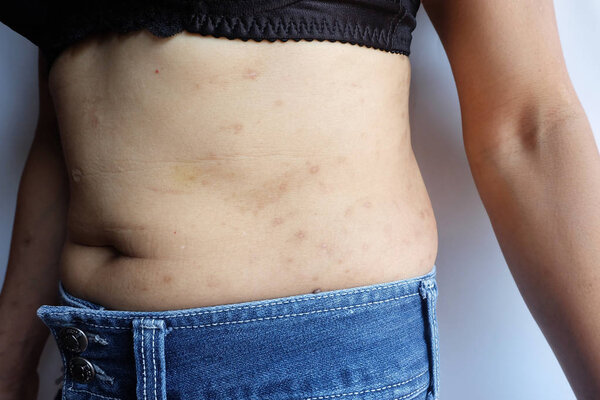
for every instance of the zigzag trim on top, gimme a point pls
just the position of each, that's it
(257, 28)
(291, 28)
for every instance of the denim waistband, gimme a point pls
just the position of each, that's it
(375, 342)
(96, 315)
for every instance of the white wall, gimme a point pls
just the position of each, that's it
(491, 348)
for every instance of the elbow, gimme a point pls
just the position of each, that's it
(528, 133)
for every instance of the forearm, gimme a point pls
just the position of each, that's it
(32, 272)
(542, 195)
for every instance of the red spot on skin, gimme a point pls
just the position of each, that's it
(174, 231)
(250, 74)
(156, 71)
(314, 170)
(277, 221)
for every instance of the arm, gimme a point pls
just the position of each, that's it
(535, 164)
(32, 272)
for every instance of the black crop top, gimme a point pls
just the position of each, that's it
(54, 25)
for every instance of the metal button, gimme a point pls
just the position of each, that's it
(73, 339)
(81, 369)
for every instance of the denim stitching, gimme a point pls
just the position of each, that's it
(368, 390)
(154, 364)
(417, 391)
(70, 388)
(312, 298)
(143, 358)
(290, 315)
(262, 318)
(436, 338)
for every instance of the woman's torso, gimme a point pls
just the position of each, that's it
(209, 171)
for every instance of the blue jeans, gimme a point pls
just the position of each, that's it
(376, 342)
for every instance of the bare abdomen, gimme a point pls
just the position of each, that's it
(261, 171)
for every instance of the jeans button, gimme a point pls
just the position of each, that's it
(81, 369)
(73, 339)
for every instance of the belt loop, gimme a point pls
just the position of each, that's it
(149, 351)
(429, 292)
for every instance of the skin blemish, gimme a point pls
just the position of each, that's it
(278, 102)
(175, 232)
(340, 260)
(237, 128)
(300, 235)
(250, 74)
(314, 169)
(156, 71)
(289, 260)
(348, 212)
(94, 121)
(367, 204)
(326, 247)
(76, 174)
(167, 278)
(277, 221)
(341, 160)
(185, 174)
(365, 246)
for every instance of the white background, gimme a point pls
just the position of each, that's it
(490, 346)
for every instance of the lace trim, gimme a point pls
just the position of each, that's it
(382, 29)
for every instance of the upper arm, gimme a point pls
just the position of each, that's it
(47, 131)
(507, 62)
